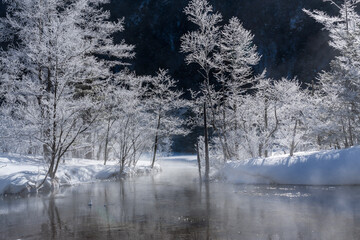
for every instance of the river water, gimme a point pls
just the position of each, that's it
(176, 205)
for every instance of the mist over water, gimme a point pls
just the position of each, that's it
(175, 205)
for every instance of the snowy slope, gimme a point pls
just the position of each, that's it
(19, 174)
(335, 167)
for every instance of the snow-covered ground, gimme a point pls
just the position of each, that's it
(19, 174)
(335, 167)
(179, 157)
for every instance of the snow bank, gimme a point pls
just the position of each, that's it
(19, 174)
(335, 167)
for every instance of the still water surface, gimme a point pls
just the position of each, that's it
(175, 205)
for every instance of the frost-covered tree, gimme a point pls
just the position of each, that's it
(265, 109)
(234, 61)
(340, 87)
(295, 112)
(256, 121)
(275, 116)
(121, 92)
(163, 101)
(131, 130)
(200, 46)
(237, 54)
(139, 113)
(60, 53)
(226, 55)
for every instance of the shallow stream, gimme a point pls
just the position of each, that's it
(176, 205)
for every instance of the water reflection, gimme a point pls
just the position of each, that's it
(54, 225)
(174, 205)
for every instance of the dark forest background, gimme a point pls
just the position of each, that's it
(290, 42)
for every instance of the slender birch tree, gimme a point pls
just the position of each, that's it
(200, 46)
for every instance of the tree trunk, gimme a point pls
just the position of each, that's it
(122, 165)
(51, 168)
(156, 141)
(346, 17)
(89, 149)
(338, 145)
(206, 139)
(50, 173)
(46, 153)
(198, 159)
(133, 162)
(106, 152)
(54, 139)
(237, 145)
(98, 155)
(292, 147)
(57, 164)
(346, 143)
(351, 139)
(260, 149)
(226, 150)
(266, 126)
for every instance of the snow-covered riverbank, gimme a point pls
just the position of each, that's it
(19, 174)
(335, 167)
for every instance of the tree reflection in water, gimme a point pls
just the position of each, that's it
(174, 205)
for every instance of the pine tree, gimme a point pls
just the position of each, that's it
(234, 61)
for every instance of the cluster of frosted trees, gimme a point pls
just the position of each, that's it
(339, 88)
(65, 88)
(251, 116)
(60, 93)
